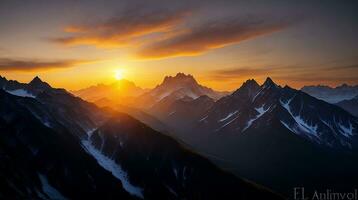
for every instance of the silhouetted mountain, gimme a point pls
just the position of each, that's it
(332, 95)
(40, 162)
(119, 92)
(350, 105)
(55, 146)
(175, 88)
(31, 89)
(304, 115)
(37, 86)
(279, 137)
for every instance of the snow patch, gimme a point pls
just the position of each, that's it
(258, 93)
(288, 127)
(346, 131)
(261, 111)
(111, 166)
(300, 122)
(228, 116)
(50, 191)
(175, 170)
(163, 95)
(21, 93)
(171, 190)
(204, 118)
(227, 123)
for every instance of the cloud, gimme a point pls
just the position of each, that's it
(242, 72)
(332, 74)
(8, 64)
(124, 29)
(344, 67)
(318, 78)
(212, 35)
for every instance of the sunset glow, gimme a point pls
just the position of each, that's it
(118, 74)
(222, 44)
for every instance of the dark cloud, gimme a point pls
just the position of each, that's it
(212, 35)
(344, 67)
(124, 29)
(7, 64)
(318, 78)
(242, 72)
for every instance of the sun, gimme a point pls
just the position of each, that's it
(118, 74)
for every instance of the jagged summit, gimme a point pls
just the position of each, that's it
(268, 83)
(248, 88)
(36, 79)
(250, 83)
(179, 78)
(38, 83)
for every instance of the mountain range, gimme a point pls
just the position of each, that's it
(276, 136)
(330, 94)
(57, 146)
(119, 92)
(266, 132)
(173, 88)
(262, 132)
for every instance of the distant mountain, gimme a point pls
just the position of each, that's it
(332, 95)
(350, 105)
(279, 137)
(175, 88)
(120, 91)
(54, 145)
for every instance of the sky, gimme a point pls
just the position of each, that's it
(77, 43)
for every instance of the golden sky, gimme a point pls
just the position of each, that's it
(75, 44)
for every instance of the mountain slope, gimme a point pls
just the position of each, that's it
(66, 141)
(350, 105)
(179, 114)
(302, 114)
(279, 137)
(181, 173)
(39, 163)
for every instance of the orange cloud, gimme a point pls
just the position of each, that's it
(209, 36)
(123, 30)
(7, 64)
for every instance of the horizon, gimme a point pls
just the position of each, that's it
(161, 81)
(75, 45)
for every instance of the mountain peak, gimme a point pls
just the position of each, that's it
(249, 87)
(250, 83)
(182, 75)
(269, 83)
(36, 79)
(38, 83)
(179, 77)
